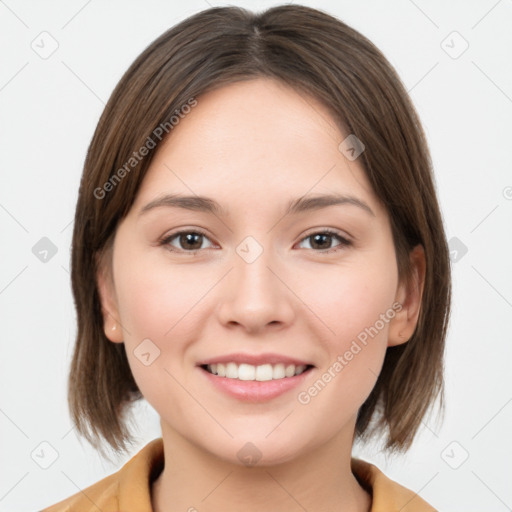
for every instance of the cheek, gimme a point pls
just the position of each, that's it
(348, 300)
(156, 299)
(156, 306)
(355, 304)
(158, 303)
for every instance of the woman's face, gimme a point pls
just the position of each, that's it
(254, 286)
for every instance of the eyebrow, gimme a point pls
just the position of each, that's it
(295, 206)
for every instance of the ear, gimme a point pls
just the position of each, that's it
(111, 324)
(409, 295)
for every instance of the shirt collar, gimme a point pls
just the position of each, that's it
(136, 476)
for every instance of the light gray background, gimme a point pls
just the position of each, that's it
(49, 109)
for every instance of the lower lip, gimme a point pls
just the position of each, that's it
(254, 390)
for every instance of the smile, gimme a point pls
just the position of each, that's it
(255, 377)
(249, 372)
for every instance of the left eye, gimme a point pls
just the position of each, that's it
(323, 238)
(192, 241)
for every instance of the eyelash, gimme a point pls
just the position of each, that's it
(343, 241)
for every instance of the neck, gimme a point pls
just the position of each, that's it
(193, 480)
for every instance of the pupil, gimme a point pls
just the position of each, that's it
(189, 238)
(316, 237)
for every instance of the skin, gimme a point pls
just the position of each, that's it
(253, 146)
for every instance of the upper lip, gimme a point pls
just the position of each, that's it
(254, 359)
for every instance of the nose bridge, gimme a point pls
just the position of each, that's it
(257, 297)
(254, 279)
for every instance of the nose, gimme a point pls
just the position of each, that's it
(255, 295)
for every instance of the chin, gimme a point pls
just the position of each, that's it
(255, 450)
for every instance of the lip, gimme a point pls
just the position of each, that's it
(252, 390)
(255, 359)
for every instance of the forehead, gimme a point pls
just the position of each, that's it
(255, 142)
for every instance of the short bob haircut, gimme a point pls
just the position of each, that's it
(317, 55)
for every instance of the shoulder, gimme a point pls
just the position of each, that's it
(387, 495)
(102, 495)
(128, 487)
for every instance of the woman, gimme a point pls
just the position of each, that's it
(258, 251)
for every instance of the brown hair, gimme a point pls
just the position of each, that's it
(315, 54)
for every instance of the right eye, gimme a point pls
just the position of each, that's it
(191, 241)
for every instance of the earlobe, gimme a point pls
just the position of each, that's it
(113, 331)
(409, 296)
(111, 325)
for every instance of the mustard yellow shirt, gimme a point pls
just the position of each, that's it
(129, 489)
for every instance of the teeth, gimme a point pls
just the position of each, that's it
(289, 370)
(278, 371)
(250, 372)
(232, 371)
